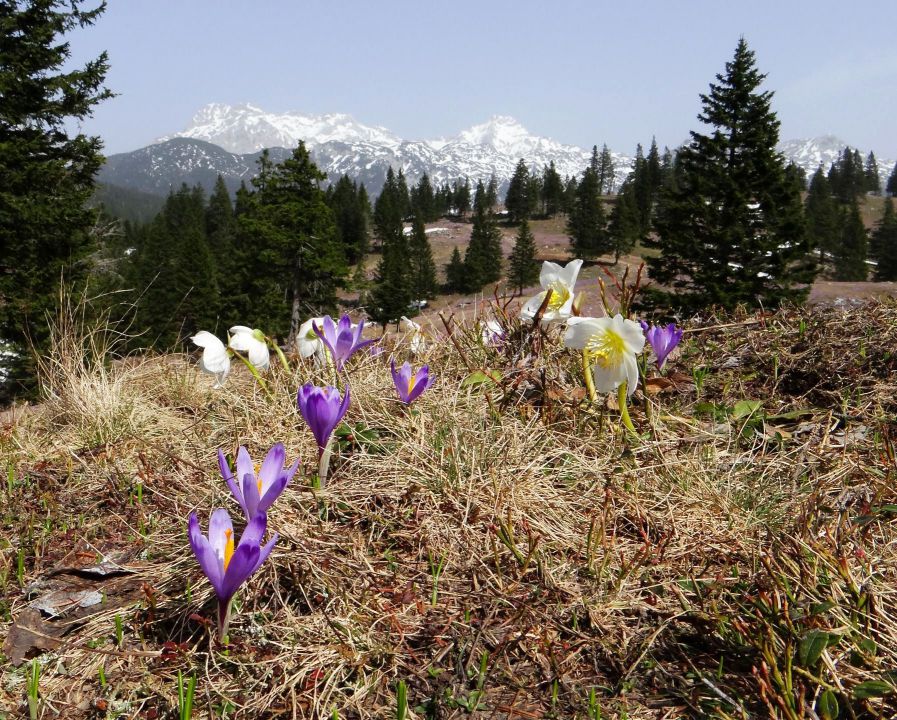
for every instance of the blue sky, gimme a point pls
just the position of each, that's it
(583, 73)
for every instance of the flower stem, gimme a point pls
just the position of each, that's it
(624, 410)
(224, 611)
(255, 374)
(324, 462)
(587, 373)
(283, 358)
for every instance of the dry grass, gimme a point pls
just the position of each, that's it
(685, 573)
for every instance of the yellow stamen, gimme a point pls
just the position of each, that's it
(606, 349)
(228, 547)
(411, 382)
(560, 293)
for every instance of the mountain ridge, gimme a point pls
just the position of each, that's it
(227, 140)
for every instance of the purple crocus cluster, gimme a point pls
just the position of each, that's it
(341, 339)
(226, 562)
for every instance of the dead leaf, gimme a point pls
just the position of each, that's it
(30, 632)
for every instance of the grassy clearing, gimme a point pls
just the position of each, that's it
(501, 551)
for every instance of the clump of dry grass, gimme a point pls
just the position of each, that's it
(502, 547)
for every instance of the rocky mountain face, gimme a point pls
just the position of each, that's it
(227, 140)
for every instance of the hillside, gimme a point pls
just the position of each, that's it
(503, 548)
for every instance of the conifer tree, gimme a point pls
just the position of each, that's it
(552, 190)
(351, 218)
(517, 200)
(403, 196)
(534, 194)
(482, 260)
(391, 295)
(823, 217)
(605, 170)
(221, 227)
(586, 223)
(625, 226)
(884, 244)
(523, 270)
(873, 182)
(461, 197)
(47, 170)
(423, 199)
(455, 274)
(388, 210)
(422, 268)
(732, 230)
(491, 196)
(850, 253)
(891, 187)
(293, 263)
(570, 186)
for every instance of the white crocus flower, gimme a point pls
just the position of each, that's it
(417, 344)
(215, 359)
(252, 342)
(308, 342)
(561, 281)
(610, 345)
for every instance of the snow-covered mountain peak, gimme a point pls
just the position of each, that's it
(246, 128)
(505, 135)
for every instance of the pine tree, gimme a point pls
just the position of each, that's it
(403, 196)
(482, 260)
(422, 269)
(293, 264)
(891, 187)
(351, 218)
(461, 197)
(732, 230)
(552, 190)
(221, 229)
(388, 210)
(455, 280)
(523, 270)
(606, 178)
(46, 170)
(517, 200)
(570, 186)
(586, 224)
(870, 171)
(491, 196)
(391, 295)
(423, 200)
(625, 226)
(850, 253)
(176, 272)
(533, 194)
(823, 217)
(884, 244)
(641, 188)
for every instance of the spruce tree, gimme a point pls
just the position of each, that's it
(625, 225)
(293, 264)
(523, 270)
(423, 201)
(606, 177)
(351, 218)
(422, 268)
(47, 170)
(850, 254)
(586, 223)
(482, 260)
(517, 200)
(388, 213)
(552, 191)
(221, 227)
(391, 295)
(491, 196)
(823, 217)
(884, 244)
(732, 229)
(891, 187)
(455, 274)
(461, 197)
(873, 182)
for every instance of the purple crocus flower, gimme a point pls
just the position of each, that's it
(225, 565)
(410, 384)
(662, 340)
(322, 408)
(341, 340)
(257, 493)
